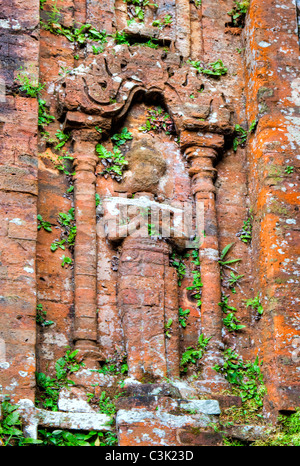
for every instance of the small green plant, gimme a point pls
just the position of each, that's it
(64, 71)
(62, 166)
(137, 8)
(49, 387)
(66, 261)
(197, 3)
(48, 391)
(11, 433)
(230, 321)
(29, 85)
(106, 405)
(67, 221)
(58, 244)
(229, 442)
(177, 261)
(97, 50)
(168, 329)
(166, 21)
(245, 377)
(60, 437)
(287, 432)
(142, 3)
(242, 135)
(115, 366)
(114, 162)
(234, 280)
(238, 12)
(121, 38)
(121, 138)
(225, 262)
(79, 36)
(192, 356)
(54, 13)
(40, 317)
(67, 365)
(183, 315)
(289, 169)
(152, 230)
(97, 200)
(44, 119)
(62, 138)
(197, 282)
(255, 304)
(158, 120)
(152, 43)
(43, 224)
(245, 234)
(252, 126)
(215, 69)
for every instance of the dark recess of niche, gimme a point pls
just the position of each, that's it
(298, 17)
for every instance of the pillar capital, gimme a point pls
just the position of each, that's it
(201, 170)
(85, 162)
(85, 158)
(201, 139)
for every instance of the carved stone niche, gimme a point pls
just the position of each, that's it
(143, 295)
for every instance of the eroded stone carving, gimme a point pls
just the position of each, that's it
(147, 285)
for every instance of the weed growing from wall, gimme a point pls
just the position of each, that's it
(192, 355)
(214, 70)
(246, 377)
(238, 13)
(49, 387)
(11, 433)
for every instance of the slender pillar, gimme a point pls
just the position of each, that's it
(203, 173)
(85, 254)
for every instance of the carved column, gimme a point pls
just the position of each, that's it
(201, 153)
(85, 253)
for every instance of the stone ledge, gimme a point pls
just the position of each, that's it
(248, 433)
(151, 403)
(154, 389)
(226, 401)
(33, 417)
(188, 436)
(136, 416)
(138, 427)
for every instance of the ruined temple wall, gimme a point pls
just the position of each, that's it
(253, 179)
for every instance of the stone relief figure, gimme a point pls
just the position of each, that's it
(147, 285)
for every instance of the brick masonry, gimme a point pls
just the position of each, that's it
(100, 308)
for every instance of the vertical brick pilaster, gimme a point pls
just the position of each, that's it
(201, 158)
(85, 254)
(19, 46)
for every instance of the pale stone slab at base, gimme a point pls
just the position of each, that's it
(33, 417)
(202, 406)
(141, 427)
